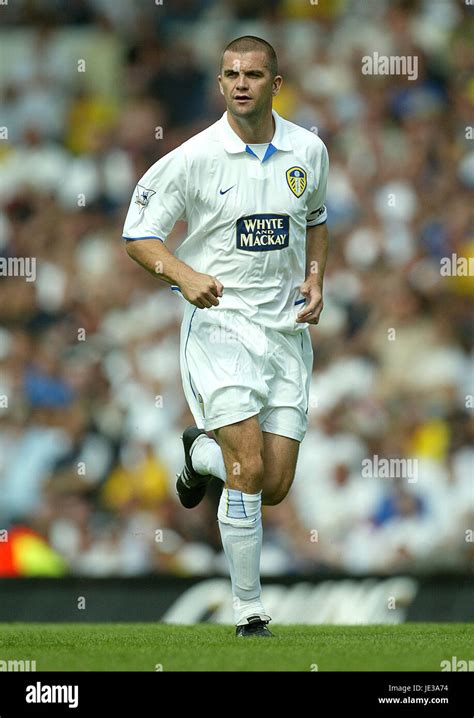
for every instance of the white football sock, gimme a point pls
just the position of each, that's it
(207, 457)
(240, 525)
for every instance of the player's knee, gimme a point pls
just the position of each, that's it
(246, 472)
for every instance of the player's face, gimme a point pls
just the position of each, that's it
(246, 83)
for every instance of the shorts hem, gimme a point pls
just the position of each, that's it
(211, 424)
(290, 433)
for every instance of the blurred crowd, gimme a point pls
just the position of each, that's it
(91, 404)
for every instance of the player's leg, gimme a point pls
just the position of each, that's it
(222, 387)
(240, 520)
(280, 455)
(241, 445)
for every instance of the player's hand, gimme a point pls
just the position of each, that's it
(314, 303)
(202, 290)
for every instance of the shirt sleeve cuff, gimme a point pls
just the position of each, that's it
(319, 216)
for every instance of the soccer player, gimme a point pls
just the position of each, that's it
(252, 189)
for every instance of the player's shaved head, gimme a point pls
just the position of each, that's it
(250, 43)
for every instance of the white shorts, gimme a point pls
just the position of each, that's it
(233, 368)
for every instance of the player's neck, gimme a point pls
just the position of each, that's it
(253, 131)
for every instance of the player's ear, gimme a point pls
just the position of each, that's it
(220, 84)
(277, 82)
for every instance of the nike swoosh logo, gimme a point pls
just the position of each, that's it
(226, 190)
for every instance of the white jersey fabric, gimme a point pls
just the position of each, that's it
(247, 217)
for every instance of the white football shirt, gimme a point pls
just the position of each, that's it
(247, 217)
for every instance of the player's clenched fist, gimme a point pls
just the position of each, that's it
(314, 303)
(202, 290)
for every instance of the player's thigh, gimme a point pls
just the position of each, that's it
(242, 448)
(280, 455)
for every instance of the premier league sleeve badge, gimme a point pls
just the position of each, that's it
(143, 196)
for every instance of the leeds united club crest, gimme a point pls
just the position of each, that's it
(296, 178)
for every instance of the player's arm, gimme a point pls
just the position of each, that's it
(316, 245)
(312, 288)
(199, 289)
(158, 202)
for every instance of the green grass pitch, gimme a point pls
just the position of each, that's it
(205, 647)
